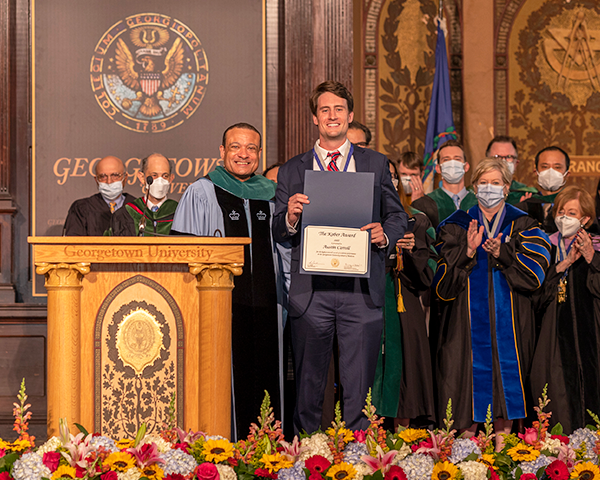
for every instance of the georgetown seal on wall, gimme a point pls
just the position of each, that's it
(149, 73)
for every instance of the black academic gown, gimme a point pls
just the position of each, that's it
(486, 340)
(567, 355)
(90, 216)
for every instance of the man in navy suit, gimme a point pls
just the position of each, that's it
(323, 306)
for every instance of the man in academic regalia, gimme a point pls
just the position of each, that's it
(91, 216)
(152, 213)
(237, 203)
(443, 202)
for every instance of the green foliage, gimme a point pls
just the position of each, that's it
(82, 429)
(196, 450)
(140, 435)
(557, 429)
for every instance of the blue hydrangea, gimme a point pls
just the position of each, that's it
(417, 467)
(462, 448)
(583, 435)
(30, 467)
(177, 461)
(354, 451)
(294, 473)
(535, 465)
(108, 443)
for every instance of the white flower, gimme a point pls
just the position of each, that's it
(417, 467)
(362, 469)
(30, 467)
(177, 461)
(473, 470)
(404, 451)
(131, 474)
(50, 446)
(226, 472)
(162, 445)
(315, 445)
(552, 445)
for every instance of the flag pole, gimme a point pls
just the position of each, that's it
(441, 11)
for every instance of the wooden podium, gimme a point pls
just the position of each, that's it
(111, 302)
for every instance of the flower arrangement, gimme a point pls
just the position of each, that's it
(337, 454)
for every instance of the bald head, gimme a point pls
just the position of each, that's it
(110, 169)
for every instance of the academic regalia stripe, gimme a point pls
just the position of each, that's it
(533, 266)
(535, 232)
(537, 248)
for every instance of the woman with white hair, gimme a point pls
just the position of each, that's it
(492, 258)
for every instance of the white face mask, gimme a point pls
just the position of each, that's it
(551, 179)
(511, 166)
(490, 195)
(405, 179)
(567, 226)
(160, 188)
(110, 191)
(395, 183)
(453, 171)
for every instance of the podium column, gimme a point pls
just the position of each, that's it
(63, 283)
(215, 283)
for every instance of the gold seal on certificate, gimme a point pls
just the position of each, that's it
(335, 250)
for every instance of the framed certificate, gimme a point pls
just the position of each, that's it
(332, 242)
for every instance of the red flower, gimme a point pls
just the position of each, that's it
(207, 471)
(528, 476)
(315, 476)
(563, 438)
(232, 462)
(112, 475)
(360, 436)
(530, 436)
(80, 471)
(395, 473)
(51, 459)
(317, 464)
(557, 470)
(2, 452)
(264, 473)
(5, 476)
(493, 474)
(174, 476)
(182, 446)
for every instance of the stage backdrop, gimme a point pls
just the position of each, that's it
(136, 77)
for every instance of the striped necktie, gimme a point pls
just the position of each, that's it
(332, 166)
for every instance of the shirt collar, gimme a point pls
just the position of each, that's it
(149, 204)
(322, 153)
(461, 195)
(118, 202)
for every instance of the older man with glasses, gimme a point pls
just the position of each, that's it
(91, 216)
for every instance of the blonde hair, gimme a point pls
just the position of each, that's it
(574, 192)
(489, 164)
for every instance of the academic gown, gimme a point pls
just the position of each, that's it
(90, 216)
(257, 299)
(534, 207)
(487, 332)
(403, 384)
(126, 220)
(567, 356)
(438, 205)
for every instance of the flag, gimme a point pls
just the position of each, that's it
(440, 126)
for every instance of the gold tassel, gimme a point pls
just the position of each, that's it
(401, 308)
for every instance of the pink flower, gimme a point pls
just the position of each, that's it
(146, 455)
(430, 447)
(528, 476)
(51, 460)
(5, 476)
(207, 471)
(317, 464)
(174, 476)
(530, 436)
(395, 473)
(111, 475)
(557, 470)
(182, 446)
(360, 436)
(381, 462)
(2, 452)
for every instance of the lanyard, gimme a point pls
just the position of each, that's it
(497, 222)
(322, 168)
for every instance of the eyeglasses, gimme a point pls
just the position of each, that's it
(510, 158)
(115, 177)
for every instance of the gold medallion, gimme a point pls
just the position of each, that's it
(139, 339)
(335, 262)
(562, 290)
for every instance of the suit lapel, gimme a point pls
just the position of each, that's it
(362, 161)
(305, 164)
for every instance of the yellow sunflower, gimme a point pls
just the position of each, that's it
(346, 434)
(125, 443)
(411, 435)
(444, 471)
(217, 450)
(274, 463)
(16, 446)
(119, 461)
(585, 471)
(152, 472)
(64, 471)
(488, 460)
(342, 471)
(523, 453)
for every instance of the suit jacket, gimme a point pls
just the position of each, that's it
(387, 210)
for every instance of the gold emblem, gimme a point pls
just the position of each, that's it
(335, 262)
(139, 339)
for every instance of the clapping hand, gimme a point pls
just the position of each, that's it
(492, 245)
(474, 237)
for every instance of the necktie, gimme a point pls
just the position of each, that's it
(154, 209)
(456, 200)
(112, 206)
(332, 166)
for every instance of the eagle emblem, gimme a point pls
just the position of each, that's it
(149, 73)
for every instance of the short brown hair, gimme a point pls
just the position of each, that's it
(334, 87)
(575, 192)
(243, 126)
(489, 164)
(452, 143)
(411, 161)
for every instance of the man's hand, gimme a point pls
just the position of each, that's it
(416, 186)
(295, 206)
(377, 235)
(407, 242)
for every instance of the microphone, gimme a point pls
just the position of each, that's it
(142, 225)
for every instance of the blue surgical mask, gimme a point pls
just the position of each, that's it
(490, 195)
(453, 171)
